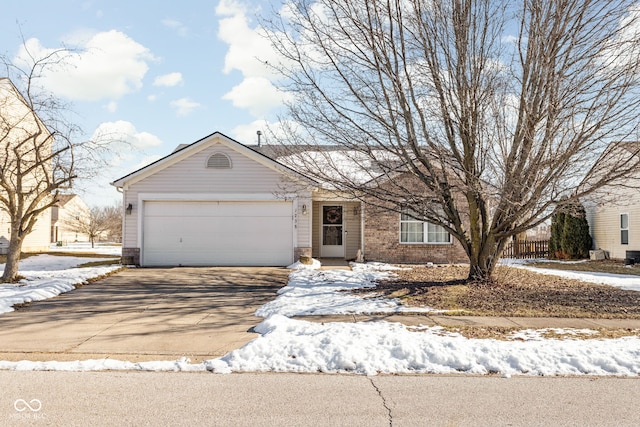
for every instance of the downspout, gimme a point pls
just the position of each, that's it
(362, 229)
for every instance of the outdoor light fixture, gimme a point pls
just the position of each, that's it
(129, 209)
(304, 209)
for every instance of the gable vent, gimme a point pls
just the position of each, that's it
(219, 161)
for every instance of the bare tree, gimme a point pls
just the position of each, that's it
(101, 222)
(490, 111)
(39, 155)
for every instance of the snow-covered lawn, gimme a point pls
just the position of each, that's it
(46, 276)
(291, 345)
(322, 292)
(99, 248)
(622, 281)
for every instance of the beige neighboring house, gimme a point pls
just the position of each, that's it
(15, 118)
(613, 214)
(69, 210)
(615, 226)
(36, 241)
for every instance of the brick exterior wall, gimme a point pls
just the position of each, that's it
(382, 243)
(130, 256)
(382, 232)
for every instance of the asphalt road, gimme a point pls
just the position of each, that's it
(203, 399)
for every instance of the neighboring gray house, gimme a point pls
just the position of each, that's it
(219, 202)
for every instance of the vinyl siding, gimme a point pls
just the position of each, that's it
(604, 224)
(190, 176)
(37, 241)
(353, 229)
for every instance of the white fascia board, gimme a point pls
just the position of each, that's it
(221, 197)
(216, 138)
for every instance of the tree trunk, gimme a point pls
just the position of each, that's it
(13, 258)
(484, 258)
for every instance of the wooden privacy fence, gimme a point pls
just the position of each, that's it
(527, 249)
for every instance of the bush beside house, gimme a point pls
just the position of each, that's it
(570, 238)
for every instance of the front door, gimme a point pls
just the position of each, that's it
(332, 232)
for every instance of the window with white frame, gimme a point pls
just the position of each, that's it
(624, 229)
(413, 229)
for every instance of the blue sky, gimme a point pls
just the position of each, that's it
(160, 73)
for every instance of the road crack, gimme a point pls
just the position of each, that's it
(384, 401)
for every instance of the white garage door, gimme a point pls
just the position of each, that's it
(207, 233)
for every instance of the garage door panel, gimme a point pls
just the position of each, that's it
(218, 209)
(217, 233)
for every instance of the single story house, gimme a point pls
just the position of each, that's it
(219, 202)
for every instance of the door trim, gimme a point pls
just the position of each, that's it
(332, 251)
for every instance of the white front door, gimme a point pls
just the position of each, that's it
(332, 231)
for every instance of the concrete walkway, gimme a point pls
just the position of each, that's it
(482, 321)
(144, 314)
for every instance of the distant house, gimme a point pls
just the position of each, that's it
(17, 119)
(613, 214)
(219, 202)
(66, 215)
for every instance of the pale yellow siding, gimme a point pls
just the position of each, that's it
(352, 226)
(37, 241)
(22, 124)
(604, 223)
(64, 228)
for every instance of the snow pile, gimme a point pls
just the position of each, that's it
(315, 264)
(326, 292)
(289, 345)
(46, 276)
(370, 348)
(622, 281)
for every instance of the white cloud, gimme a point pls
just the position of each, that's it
(122, 135)
(247, 51)
(112, 106)
(145, 161)
(271, 131)
(246, 134)
(178, 26)
(257, 94)
(106, 65)
(184, 106)
(168, 80)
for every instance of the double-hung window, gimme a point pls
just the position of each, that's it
(624, 229)
(414, 229)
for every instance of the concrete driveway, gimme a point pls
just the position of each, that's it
(144, 314)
